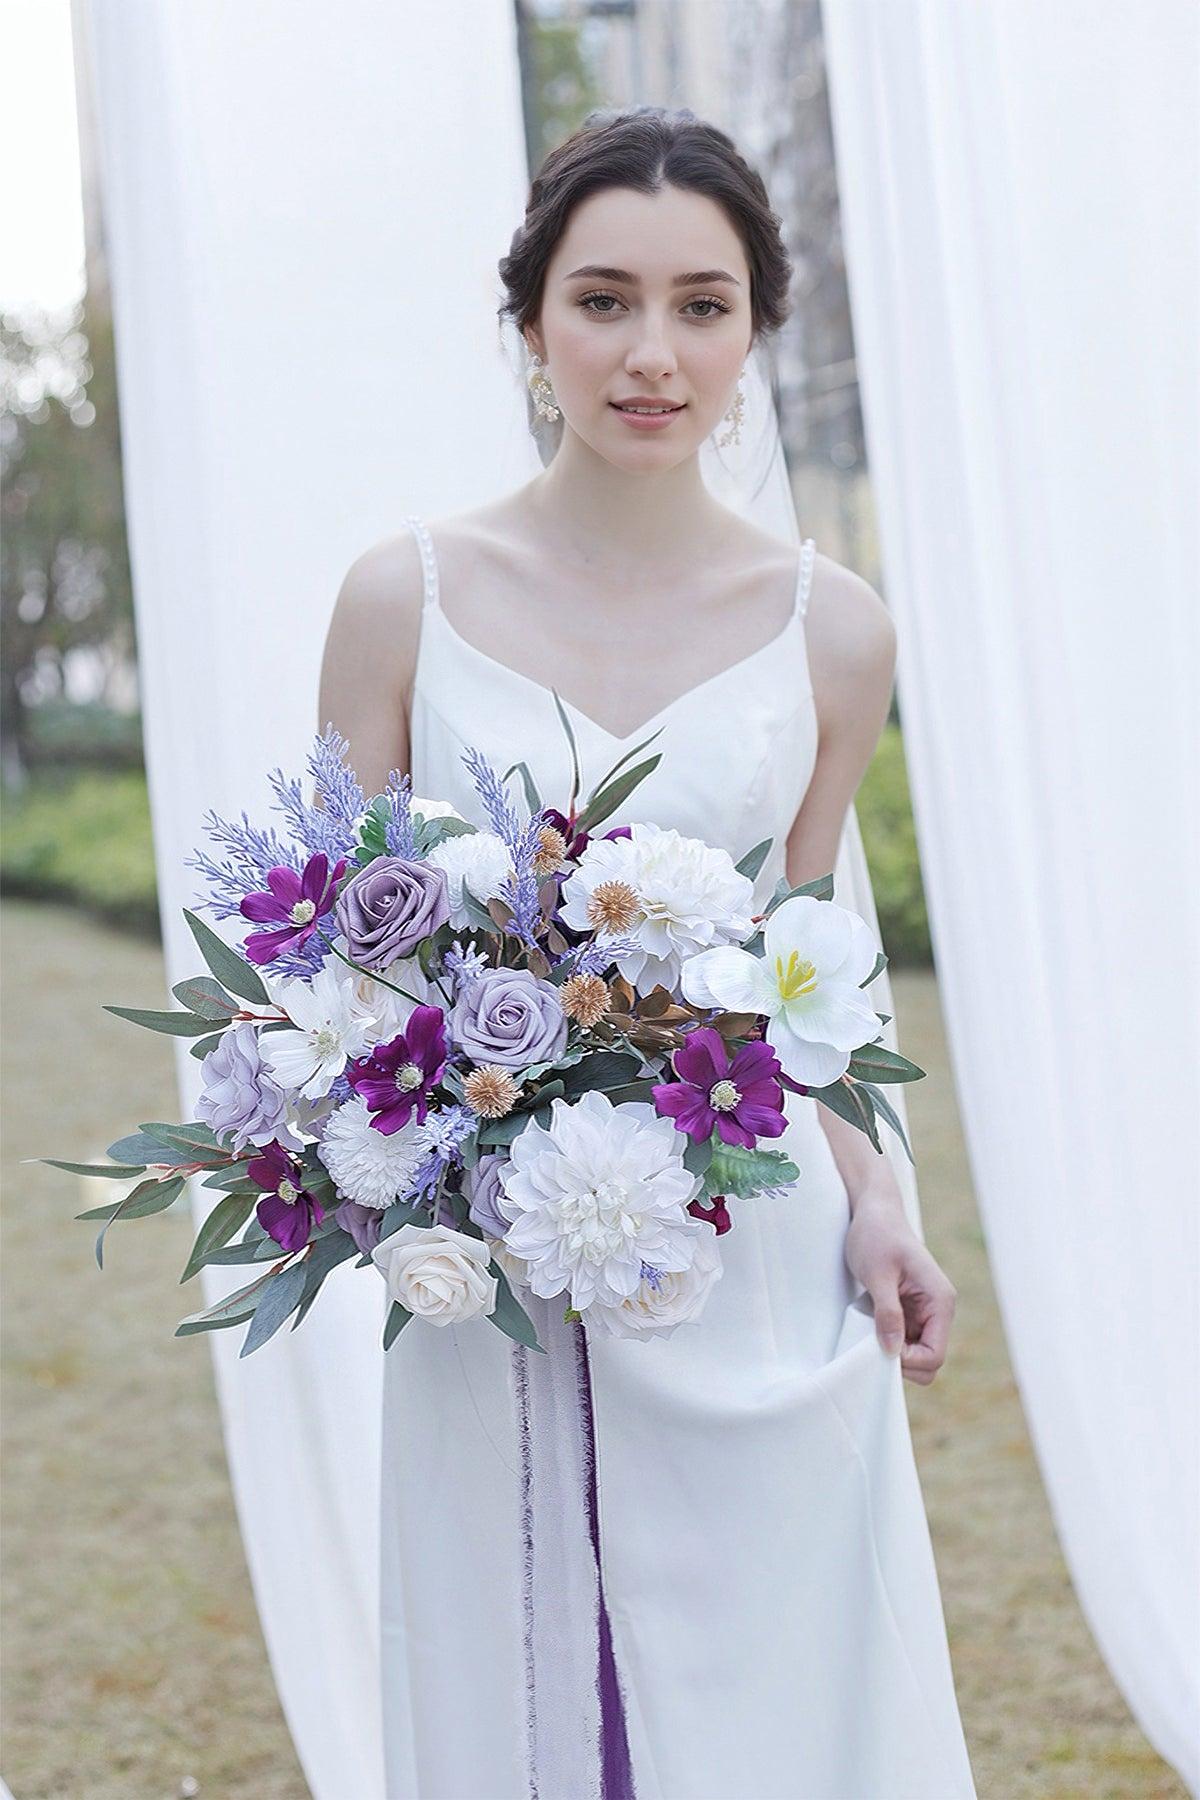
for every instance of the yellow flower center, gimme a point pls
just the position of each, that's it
(408, 1077)
(289, 1191)
(723, 1096)
(302, 912)
(795, 976)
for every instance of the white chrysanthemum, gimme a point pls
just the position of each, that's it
(661, 1304)
(327, 1032)
(370, 1166)
(690, 897)
(807, 983)
(388, 1011)
(596, 1193)
(478, 860)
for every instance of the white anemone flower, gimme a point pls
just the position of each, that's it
(327, 1031)
(478, 860)
(664, 1300)
(434, 809)
(807, 983)
(689, 897)
(373, 1167)
(594, 1195)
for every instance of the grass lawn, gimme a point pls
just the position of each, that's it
(134, 1667)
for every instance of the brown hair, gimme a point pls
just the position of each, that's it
(647, 148)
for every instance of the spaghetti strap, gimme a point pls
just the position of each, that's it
(429, 568)
(808, 554)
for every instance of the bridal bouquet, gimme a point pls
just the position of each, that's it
(532, 1059)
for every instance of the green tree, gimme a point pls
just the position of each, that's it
(64, 562)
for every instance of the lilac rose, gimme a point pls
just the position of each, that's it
(508, 1016)
(388, 907)
(242, 1102)
(481, 1185)
(363, 1223)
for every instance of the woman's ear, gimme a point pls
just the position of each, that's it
(533, 341)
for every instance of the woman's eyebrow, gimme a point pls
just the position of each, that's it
(697, 278)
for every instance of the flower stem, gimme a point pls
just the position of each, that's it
(369, 972)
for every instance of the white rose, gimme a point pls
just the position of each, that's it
(679, 1297)
(438, 1273)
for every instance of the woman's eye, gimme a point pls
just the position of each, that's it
(587, 300)
(719, 305)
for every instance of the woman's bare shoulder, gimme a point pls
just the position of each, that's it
(847, 623)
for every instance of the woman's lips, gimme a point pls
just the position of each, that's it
(642, 421)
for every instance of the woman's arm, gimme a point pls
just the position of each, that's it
(369, 659)
(852, 661)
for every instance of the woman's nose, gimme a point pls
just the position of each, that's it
(652, 356)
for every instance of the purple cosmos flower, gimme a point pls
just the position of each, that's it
(294, 904)
(287, 1211)
(577, 841)
(398, 1075)
(740, 1098)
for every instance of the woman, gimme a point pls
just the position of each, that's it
(696, 1565)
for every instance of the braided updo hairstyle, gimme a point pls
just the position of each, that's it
(647, 148)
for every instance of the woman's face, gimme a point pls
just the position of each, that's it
(646, 297)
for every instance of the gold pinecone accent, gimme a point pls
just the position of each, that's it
(613, 906)
(549, 856)
(491, 1091)
(585, 998)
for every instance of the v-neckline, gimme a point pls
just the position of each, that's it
(620, 739)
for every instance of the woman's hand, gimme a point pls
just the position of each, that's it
(914, 1300)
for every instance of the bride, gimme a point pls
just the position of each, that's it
(697, 1565)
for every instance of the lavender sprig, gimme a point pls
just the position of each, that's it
(520, 889)
(399, 835)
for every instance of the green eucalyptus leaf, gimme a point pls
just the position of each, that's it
(397, 1319)
(230, 969)
(226, 1218)
(533, 799)
(174, 1024)
(205, 1046)
(754, 859)
(508, 1314)
(877, 1063)
(278, 1300)
(109, 1171)
(848, 1102)
(886, 1110)
(203, 994)
(609, 798)
(698, 1155)
(230, 1311)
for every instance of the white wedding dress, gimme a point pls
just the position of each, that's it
(765, 1580)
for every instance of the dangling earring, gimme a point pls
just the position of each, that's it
(735, 415)
(539, 386)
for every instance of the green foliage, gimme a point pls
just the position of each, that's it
(84, 838)
(889, 839)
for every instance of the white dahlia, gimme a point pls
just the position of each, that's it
(596, 1194)
(664, 1299)
(682, 895)
(373, 1167)
(478, 860)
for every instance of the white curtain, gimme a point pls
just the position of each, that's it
(303, 230)
(1019, 198)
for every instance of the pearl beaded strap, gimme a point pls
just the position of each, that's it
(429, 570)
(808, 557)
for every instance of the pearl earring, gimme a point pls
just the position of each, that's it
(539, 386)
(735, 415)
